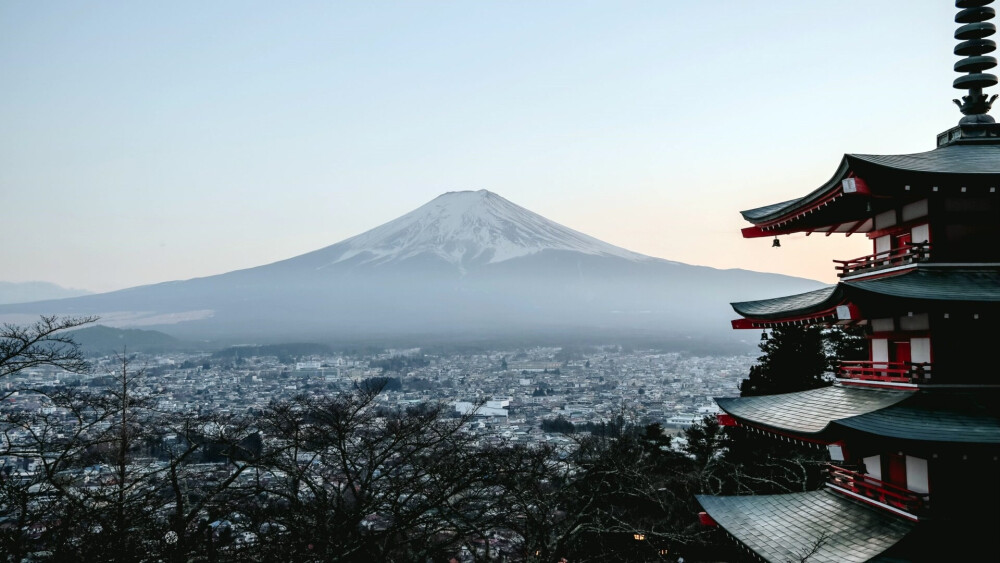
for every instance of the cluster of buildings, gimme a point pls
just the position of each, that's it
(510, 392)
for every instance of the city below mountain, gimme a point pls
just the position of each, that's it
(465, 266)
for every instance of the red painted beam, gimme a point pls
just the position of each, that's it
(827, 316)
(851, 185)
(726, 419)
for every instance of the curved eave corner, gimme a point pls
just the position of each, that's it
(974, 163)
(822, 524)
(822, 306)
(805, 415)
(783, 218)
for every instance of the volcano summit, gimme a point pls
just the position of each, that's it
(465, 265)
(466, 228)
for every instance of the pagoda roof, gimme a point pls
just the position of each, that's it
(951, 159)
(936, 283)
(799, 304)
(761, 214)
(776, 211)
(936, 416)
(925, 282)
(821, 524)
(810, 412)
(826, 209)
(933, 415)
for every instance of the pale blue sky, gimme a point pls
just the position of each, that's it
(142, 142)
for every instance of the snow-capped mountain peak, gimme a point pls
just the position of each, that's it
(466, 226)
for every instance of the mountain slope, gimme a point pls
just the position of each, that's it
(466, 264)
(99, 340)
(25, 292)
(466, 229)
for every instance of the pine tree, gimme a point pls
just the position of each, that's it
(794, 359)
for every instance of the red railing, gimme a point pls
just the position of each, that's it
(906, 254)
(878, 491)
(889, 372)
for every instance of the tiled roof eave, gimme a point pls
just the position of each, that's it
(976, 162)
(809, 413)
(940, 417)
(932, 283)
(791, 306)
(929, 283)
(954, 160)
(783, 527)
(774, 212)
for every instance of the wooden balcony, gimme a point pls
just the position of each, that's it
(886, 372)
(907, 254)
(874, 491)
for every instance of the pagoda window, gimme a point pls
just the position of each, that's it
(883, 325)
(920, 350)
(883, 245)
(915, 322)
(920, 233)
(916, 475)
(885, 220)
(880, 350)
(914, 210)
(873, 466)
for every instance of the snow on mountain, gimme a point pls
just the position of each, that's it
(472, 226)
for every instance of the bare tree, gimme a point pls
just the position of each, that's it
(106, 476)
(43, 343)
(348, 480)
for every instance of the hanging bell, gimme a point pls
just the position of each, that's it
(776, 243)
(763, 335)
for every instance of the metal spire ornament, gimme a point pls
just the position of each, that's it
(975, 15)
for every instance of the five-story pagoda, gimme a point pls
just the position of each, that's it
(913, 433)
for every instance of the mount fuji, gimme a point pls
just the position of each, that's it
(466, 265)
(470, 228)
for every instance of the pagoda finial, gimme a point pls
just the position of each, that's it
(974, 14)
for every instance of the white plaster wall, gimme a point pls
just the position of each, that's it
(916, 475)
(920, 350)
(913, 210)
(873, 465)
(880, 350)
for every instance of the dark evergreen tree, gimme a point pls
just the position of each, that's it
(794, 359)
(846, 344)
(558, 424)
(704, 441)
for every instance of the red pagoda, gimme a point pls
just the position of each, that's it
(913, 433)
